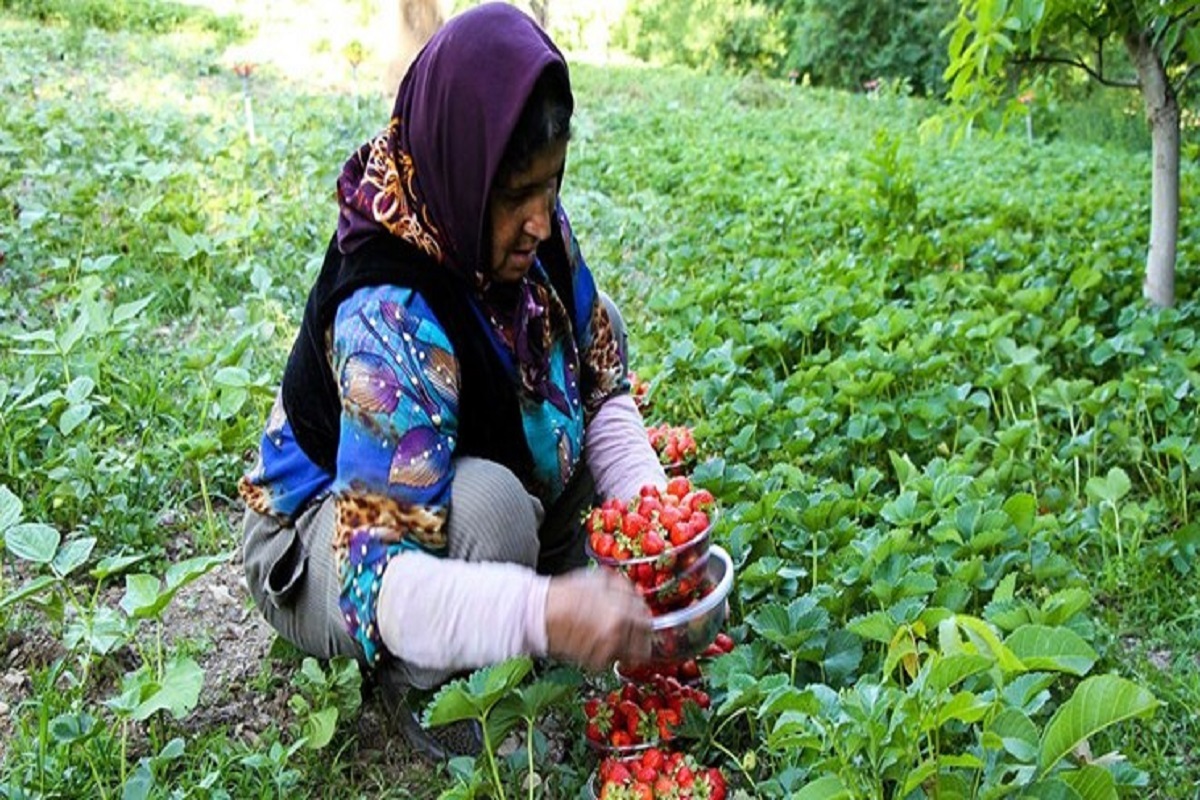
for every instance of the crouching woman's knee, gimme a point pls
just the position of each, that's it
(492, 517)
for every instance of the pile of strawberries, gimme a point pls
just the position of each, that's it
(675, 445)
(658, 540)
(639, 714)
(656, 775)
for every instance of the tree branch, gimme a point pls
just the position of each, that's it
(1075, 62)
(1181, 86)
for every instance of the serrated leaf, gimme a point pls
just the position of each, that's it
(1111, 488)
(474, 697)
(1097, 703)
(877, 626)
(32, 541)
(1022, 511)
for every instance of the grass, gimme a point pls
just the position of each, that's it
(713, 205)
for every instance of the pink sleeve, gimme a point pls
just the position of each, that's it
(456, 615)
(619, 452)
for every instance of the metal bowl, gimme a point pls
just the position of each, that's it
(686, 633)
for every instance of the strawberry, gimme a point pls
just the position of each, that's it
(679, 486)
(652, 543)
(724, 641)
(653, 758)
(634, 524)
(642, 791)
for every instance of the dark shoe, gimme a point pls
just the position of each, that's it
(443, 743)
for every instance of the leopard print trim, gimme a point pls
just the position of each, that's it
(389, 521)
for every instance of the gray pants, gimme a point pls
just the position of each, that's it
(292, 574)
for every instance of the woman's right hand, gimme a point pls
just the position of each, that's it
(596, 617)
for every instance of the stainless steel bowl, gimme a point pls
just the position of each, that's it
(686, 633)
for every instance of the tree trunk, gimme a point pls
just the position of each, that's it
(1162, 111)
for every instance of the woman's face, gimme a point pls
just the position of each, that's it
(520, 211)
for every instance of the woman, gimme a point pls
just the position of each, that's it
(457, 393)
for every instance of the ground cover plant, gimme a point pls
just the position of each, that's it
(954, 452)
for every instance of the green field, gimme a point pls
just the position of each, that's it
(958, 457)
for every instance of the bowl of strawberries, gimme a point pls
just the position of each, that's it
(659, 540)
(627, 721)
(657, 775)
(675, 446)
(689, 631)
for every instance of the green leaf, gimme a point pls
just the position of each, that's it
(114, 565)
(32, 541)
(319, 728)
(878, 626)
(73, 417)
(1052, 789)
(127, 311)
(827, 788)
(798, 627)
(10, 509)
(1111, 488)
(142, 599)
(1096, 703)
(1016, 733)
(951, 670)
(177, 692)
(68, 728)
(72, 555)
(475, 696)
(1092, 783)
(1057, 649)
(1022, 510)
(35, 586)
(985, 638)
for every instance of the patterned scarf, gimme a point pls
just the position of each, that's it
(427, 177)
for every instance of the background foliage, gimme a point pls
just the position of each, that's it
(922, 376)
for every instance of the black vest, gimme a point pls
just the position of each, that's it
(489, 416)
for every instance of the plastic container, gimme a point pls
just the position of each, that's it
(687, 632)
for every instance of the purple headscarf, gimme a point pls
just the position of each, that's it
(428, 176)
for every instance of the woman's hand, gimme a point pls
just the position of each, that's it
(596, 617)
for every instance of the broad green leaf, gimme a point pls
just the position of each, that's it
(1022, 510)
(963, 707)
(799, 627)
(1057, 649)
(951, 670)
(73, 417)
(142, 597)
(32, 541)
(474, 697)
(1060, 607)
(319, 728)
(80, 389)
(1092, 783)
(177, 692)
(982, 635)
(1016, 734)
(102, 632)
(930, 767)
(72, 555)
(232, 377)
(827, 788)
(1111, 488)
(10, 509)
(145, 597)
(1052, 789)
(1096, 703)
(877, 626)
(68, 728)
(138, 784)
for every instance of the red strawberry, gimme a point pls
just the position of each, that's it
(725, 642)
(679, 486)
(652, 543)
